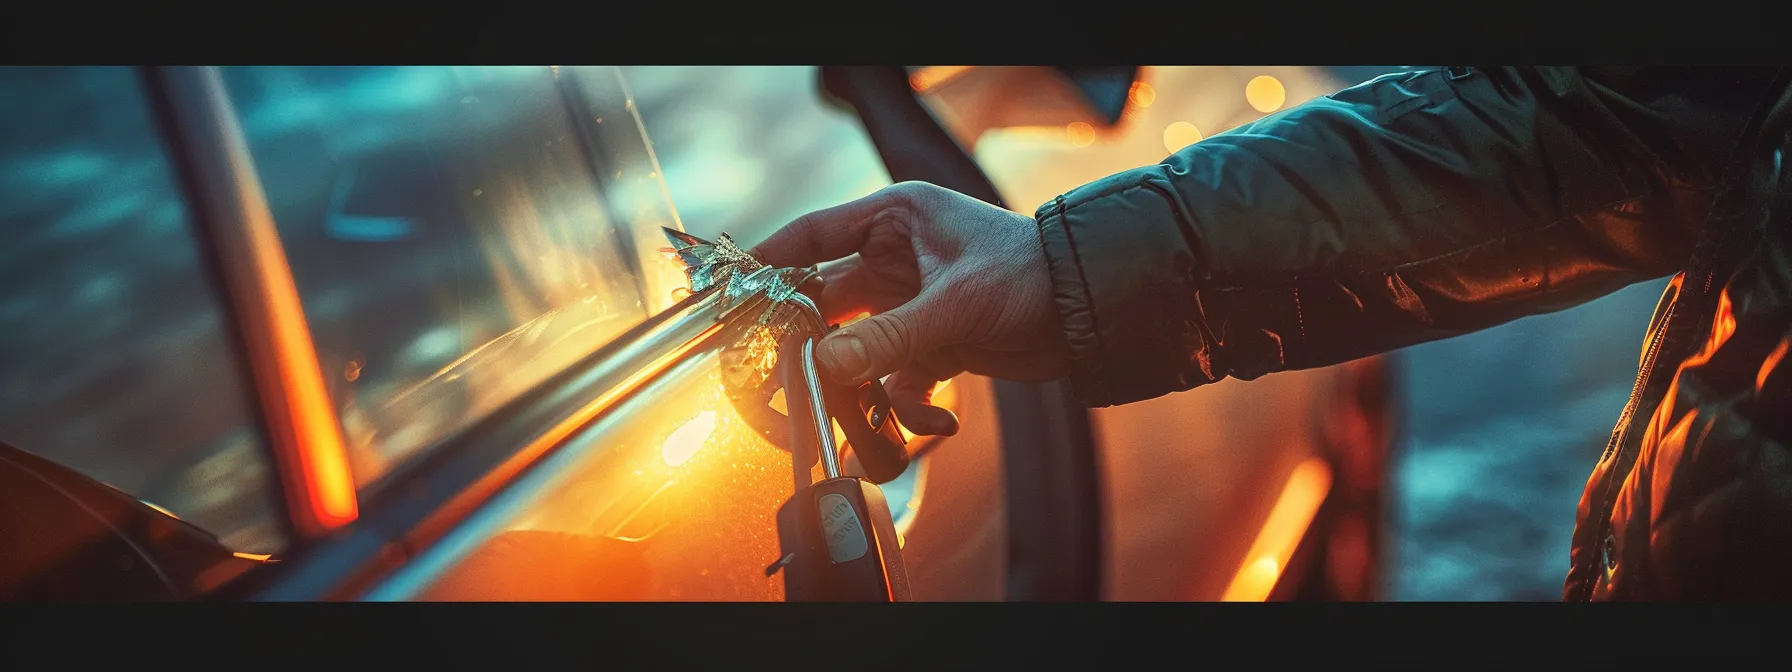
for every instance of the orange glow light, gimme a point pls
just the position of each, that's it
(1180, 134)
(1080, 134)
(1281, 533)
(934, 75)
(304, 423)
(685, 441)
(1265, 93)
(322, 458)
(1142, 94)
(471, 496)
(1772, 362)
(301, 423)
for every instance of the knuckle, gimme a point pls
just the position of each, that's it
(912, 192)
(889, 335)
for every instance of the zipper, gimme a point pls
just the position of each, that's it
(1599, 560)
(1642, 378)
(1711, 253)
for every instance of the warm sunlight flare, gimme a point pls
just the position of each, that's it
(934, 75)
(1281, 533)
(685, 441)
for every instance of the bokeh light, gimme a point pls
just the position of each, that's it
(1180, 134)
(1265, 93)
(1080, 134)
(1142, 94)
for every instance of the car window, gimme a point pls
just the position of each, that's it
(114, 354)
(457, 234)
(747, 149)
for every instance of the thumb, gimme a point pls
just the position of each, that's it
(878, 345)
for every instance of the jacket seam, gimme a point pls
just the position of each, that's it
(1076, 261)
(1064, 209)
(1446, 255)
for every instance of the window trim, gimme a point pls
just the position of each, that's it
(248, 264)
(445, 488)
(334, 556)
(576, 98)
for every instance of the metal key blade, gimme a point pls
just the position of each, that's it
(824, 426)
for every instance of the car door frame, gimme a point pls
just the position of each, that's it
(340, 553)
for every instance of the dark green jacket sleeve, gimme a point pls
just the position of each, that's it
(1413, 207)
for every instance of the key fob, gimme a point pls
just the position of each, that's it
(804, 560)
(860, 539)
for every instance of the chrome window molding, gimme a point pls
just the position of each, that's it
(491, 462)
(332, 554)
(249, 268)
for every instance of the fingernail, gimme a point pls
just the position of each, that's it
(844, 356)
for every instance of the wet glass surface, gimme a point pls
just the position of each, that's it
(114, 355)
(456, 233)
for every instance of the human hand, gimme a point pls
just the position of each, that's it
(953, 285)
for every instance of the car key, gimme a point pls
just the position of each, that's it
(870, 427)
(838, 538)
(857, 533)
(804, 559)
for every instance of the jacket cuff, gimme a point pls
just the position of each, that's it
(1123, 277)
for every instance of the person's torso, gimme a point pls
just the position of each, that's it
(1692, 498)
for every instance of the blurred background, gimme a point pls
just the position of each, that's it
(1498, 430)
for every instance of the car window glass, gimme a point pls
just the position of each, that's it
(457, 234)
(114, 354)
(747, 149)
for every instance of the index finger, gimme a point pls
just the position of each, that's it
(826, 234)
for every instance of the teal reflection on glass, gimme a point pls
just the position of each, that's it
(452, 231)
(114, 358)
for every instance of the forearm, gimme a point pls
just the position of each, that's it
(1408, 209)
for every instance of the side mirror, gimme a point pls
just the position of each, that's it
(973, 100)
